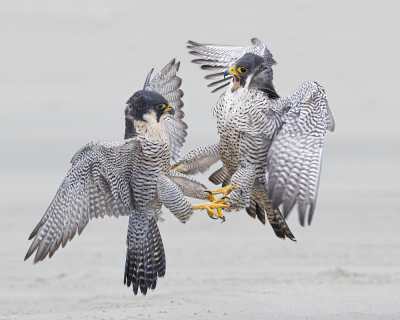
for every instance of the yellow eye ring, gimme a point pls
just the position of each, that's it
(242, 70)
(161, 106)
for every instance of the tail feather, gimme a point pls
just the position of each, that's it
(252, 208)
(256, 210)
(279, 224)
(219, 176)
(145, 257)
(274, 217)
(260, 213)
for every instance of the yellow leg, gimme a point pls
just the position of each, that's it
(225, 190)
(209, 206)
(176, 169)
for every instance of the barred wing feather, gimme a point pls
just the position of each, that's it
(167, 84)
(294, 159)
(96, 185)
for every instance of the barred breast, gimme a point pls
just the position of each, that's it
(246, 133)
(150, 161)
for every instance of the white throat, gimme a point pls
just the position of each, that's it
(240, 93)
(151, 128)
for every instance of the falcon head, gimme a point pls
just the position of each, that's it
(145, 107)
(243, 70)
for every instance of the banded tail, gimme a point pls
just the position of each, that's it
(274, 217)
(145, 256)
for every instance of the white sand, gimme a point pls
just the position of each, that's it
(346, 266)
(67, 69)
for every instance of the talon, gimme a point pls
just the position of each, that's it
(209, 192)
(225, 198)
(209, 207)
(225, 190)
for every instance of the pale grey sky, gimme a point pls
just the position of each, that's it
(66, 71)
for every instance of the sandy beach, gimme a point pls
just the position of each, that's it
(67, 70)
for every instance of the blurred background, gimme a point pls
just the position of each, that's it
(66, 70)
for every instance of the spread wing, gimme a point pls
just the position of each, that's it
(97, 184)
(294, 159)
(218, 58)
(167, 84)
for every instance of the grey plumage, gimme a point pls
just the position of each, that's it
(129, 177)
(199, 160)
(262, 131)
(220, 176)
(189, 186)
(167, 84)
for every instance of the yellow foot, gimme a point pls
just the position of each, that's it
(225, 190)
(209, 206)
(212, 198)
(176, 169)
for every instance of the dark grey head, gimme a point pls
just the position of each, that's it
(244, 69)
(144, 106)
(252, 71)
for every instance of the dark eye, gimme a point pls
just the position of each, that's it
(242, 69)
(160, 107)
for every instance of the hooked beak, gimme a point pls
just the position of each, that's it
(169, 110)
(236, 78)
(227, 73)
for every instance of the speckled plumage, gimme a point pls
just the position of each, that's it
(262, 133)
(129, 177)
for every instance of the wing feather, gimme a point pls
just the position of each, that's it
(218, 58)
(97, 184)
(167, 83)
(294, 159)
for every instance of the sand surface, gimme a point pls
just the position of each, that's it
(67, 69)
(345, 266)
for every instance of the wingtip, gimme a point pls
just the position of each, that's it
(193, 43)
(147, 81)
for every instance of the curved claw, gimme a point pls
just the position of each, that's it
(225, 198)
(209, 192)
(209, 207)
(213, 217)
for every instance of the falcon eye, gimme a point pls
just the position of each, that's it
(161, 106)
(242, 69)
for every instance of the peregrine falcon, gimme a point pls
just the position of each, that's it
(129, 178)
(261, 132)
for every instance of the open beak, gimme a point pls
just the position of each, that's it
(236, 78)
